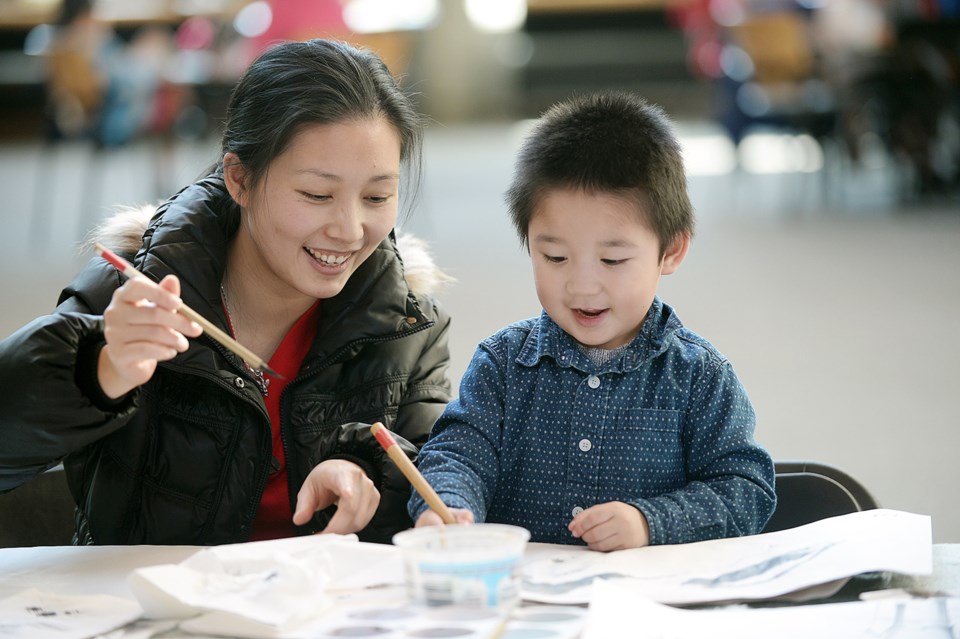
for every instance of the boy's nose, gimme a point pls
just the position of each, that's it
(584, 282)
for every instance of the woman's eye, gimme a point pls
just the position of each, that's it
(554, 259)
(315, 197)
(379, 199)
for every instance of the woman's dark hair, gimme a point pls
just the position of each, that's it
(294, 84)
(609, 142)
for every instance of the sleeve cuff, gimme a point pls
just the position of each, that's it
(88, 355)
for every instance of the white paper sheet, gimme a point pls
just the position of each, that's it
(740, 569)
(40, 615)
(142, 629)
(614, 607)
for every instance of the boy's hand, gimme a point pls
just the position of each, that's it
(611, 526)
(431, 518)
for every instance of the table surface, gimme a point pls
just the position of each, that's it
(84, 570)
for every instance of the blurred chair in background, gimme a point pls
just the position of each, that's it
(760, 59)
(38, 513)
(860, 76)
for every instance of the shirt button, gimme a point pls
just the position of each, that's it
(576, 511)
(585, 445)
(593, 381)
(238, 382)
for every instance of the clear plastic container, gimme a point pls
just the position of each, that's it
(474, 566)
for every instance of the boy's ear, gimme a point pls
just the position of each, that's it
(235, 177)
(675, 253)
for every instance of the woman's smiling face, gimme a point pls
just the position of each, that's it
(324, 205)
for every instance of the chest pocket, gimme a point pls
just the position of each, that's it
(643, 453)
(196, 433)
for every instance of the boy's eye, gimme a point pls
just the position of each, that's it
(613, 262)
(554, 259)
(379, 199)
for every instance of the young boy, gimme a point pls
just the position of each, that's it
(603, 421)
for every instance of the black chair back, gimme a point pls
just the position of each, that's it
(38, 513)
(809, 491)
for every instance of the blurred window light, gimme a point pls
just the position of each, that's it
(515, 52)
(201, 7)
(780, 153)
(39, 39)
(708, 154)
(121, 10)
(753, 100)
(37, 6)
(253, 20)
(496, 16)
(736, 63)
(379, 16)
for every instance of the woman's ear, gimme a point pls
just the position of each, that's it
(236, 178)
(675, 253)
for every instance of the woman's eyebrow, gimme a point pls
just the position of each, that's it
(333, 176)
(319, 173)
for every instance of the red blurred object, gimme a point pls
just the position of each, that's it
(302, 20)
(196, 33)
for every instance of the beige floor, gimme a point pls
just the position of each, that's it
(838, 307)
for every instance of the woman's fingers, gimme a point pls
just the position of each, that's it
(141, 327)
(340, 482)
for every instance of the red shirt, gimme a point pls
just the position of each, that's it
(275, 517)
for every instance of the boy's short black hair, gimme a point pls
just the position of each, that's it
(611, 142)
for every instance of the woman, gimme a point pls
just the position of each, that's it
(288, 243)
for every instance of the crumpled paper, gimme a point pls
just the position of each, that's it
(271, 582)
(276, 588)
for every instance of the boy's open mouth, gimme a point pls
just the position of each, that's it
(589, 312)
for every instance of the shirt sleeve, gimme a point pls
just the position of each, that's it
(730, 477)
(461, 458)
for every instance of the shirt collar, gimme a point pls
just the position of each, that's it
(547, 339)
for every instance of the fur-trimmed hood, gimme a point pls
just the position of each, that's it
(123, 232)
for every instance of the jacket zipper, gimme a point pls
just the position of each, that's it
(251, 513)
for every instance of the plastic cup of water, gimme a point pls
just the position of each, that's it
(471, 566)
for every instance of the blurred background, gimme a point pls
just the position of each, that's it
(822, 142)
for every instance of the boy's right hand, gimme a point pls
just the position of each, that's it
(432, 518)
(141, 327)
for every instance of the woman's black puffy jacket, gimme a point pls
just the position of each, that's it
(184, 458)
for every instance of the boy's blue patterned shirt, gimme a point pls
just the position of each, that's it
(539, 433)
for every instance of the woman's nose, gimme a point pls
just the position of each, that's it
(347, 224)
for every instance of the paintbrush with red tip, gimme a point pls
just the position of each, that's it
(233, 345)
